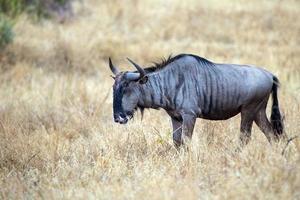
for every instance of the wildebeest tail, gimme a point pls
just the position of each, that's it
(276, 119)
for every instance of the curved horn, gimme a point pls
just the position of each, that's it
(140, 70)
(114, 70)
(132, 76)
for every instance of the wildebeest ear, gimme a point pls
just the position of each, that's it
(143, 80)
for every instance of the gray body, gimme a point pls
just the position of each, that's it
(190, 87)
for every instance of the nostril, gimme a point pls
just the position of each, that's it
(122, 115)
(116, 119)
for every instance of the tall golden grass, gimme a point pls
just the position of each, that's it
(57, 136)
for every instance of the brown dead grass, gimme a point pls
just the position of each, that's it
(57, 137)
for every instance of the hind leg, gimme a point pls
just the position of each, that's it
(246, 126)
(264, 125)
(249, 114)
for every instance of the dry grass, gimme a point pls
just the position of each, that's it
(57, 136)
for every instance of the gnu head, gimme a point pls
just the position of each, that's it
(125, 91)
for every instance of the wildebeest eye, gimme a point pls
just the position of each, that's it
(125, 84)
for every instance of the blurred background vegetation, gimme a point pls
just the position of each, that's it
(6, 32)
(37, 9)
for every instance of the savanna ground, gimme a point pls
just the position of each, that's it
(57, 136)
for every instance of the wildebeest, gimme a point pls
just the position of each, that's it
(188, 87)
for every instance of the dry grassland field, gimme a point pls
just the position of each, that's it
(57, 135)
